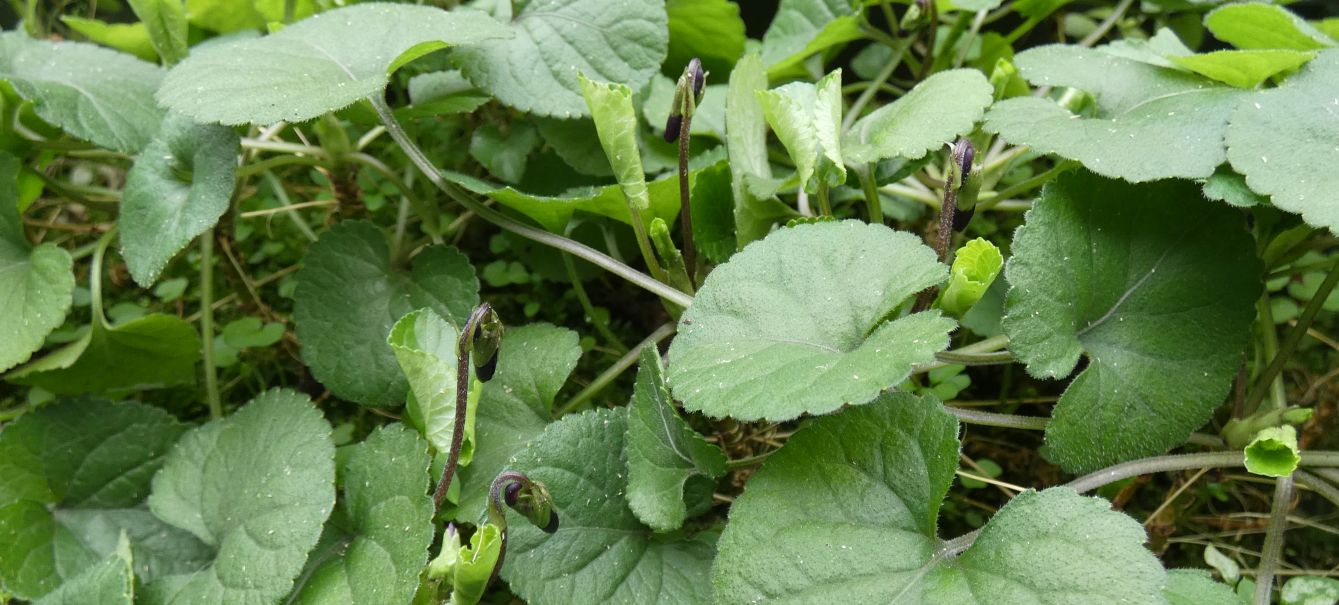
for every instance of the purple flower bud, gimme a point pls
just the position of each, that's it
(699, 77)
(963, 152)
(512, 491)
(672, 128)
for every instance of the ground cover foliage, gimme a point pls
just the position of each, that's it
(669, 301)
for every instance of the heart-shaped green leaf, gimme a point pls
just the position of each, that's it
(389, 524)
(1156, 285)
(349, 296)
(38, 281)
(110, 581)
(1150, 122)
(318, 65)
(800, 323)
(601, 553)
(536, 70)
(149, 352)
(255, 487)
(73, 476)
(178, 188)
(515, 406)
(846, 513)
(934, 113)
(93, 93)
(664, 453)
(1282, 141)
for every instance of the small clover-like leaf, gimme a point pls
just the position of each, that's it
(349, 296)
(800, 323)
(1156, 285)
(255, 487)
(318, 65)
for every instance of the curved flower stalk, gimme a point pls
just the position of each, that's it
(525, 496)
(478, 346)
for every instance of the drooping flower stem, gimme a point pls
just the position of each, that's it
(530, 498)
(478, 341)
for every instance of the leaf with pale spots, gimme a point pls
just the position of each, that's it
(847, 512)
(256, 487)
(807, 320)
(601, 553)
(1156, 285)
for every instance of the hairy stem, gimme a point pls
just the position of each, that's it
(1273, 548)
(685, 200)
(872, 200)
(1008, 421)
(462, 402)
(591, 255)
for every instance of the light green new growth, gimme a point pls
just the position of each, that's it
(974, 269)
(1273, 452)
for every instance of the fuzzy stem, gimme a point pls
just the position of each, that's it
(462, 402)
(1273, 548)
(685, 200)
(1008, 421)
(872, 199)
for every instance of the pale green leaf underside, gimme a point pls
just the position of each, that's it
(149, 352)
(1285, 141)
(846, 513)
(1310, 590)
(72, 477)
(110, 581)
(664, 453)
(746, 142)
(615, 120)
(256, 487)
(93, 93)
(1243, 68)
(796, 324)
(348, 298)
(601, 553)
(929, 116)
(178, 188)
(1156, 285)
(536, 69)
(1196, 587)
(386, 500)
(425, 346)
(35, 284)
(807, 120)
(554, 212)
(318, 65)
(1151, 122)
(515, 405)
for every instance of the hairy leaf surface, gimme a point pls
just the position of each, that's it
(1156, 286)
(800, 323)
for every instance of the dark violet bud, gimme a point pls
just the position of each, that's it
(672, 126)
(963, 152)
(510, 493)
(962, 217)
(481, 339)
(553, 523)
(699, 77)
